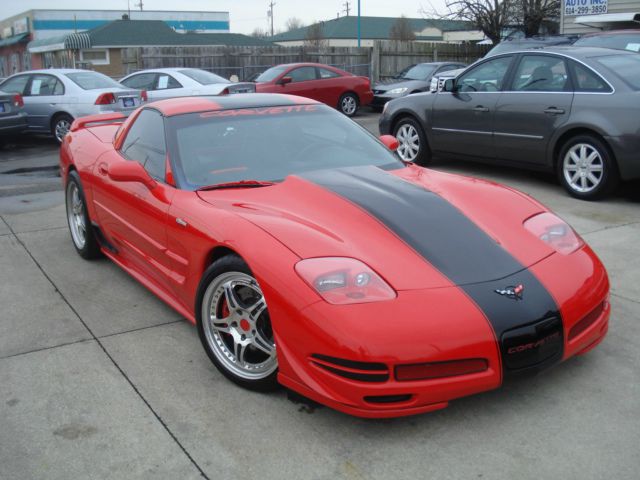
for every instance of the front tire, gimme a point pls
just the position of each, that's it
(60, 126)
(348, 104)
(234, 325)
(412, 142)
(82, 234)
(586, 169)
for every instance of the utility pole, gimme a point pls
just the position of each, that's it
(269, 14)
(347, 7)
(139, 4)
(358, 22)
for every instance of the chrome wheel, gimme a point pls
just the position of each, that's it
(349, 105)
(62, 127)
(583, 167)
(237, 327)
(76, 216)
(409, 142)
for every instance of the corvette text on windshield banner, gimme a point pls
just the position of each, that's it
(450, 241)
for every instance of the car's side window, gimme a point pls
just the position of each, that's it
(302, 74)
(145, 143)
(142, 81)
(585, 80)
(541, 73)
(45, 85)
(15, 84)
(487, 77)
(324, 73)
(166, 81)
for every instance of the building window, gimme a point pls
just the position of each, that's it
(95, 57)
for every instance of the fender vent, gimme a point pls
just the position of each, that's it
(359, 371)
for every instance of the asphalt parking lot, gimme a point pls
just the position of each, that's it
(101, 380)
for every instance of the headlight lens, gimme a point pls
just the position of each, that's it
(396, 91)
(554, 231)
(343, 281)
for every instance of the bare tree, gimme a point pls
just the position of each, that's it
(401, 30)
(293, 23)
(315, 35)
(531, 14)
(259, 33)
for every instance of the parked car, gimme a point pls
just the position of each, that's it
(569, 109)
(309, 256)
(618, 39)
(535, 42)
(182, 82)
(13, 119)
(413, 79)
(332, 86)
(53, 98)
(437, 81)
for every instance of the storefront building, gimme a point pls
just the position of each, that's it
(585, 16)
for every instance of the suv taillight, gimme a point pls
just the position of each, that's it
(106, 99)
(143, 95)
(18, 101)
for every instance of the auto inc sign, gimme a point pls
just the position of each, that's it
(585, 7)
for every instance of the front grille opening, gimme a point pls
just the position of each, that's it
(353, 370)
(588, 320)
(388, 398)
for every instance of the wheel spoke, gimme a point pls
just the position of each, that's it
(256, 309)
(593, 179)
(239, 350)
(263, 344)
(574, 157)
(230, 296)
(575, 176)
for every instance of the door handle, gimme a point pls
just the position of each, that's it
(554, 111)
(480, 108)
(103, 169)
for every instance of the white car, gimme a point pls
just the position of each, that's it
(437, 81)
(183, 82)
(54, 97)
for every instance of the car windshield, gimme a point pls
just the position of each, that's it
(268, 144)
(92, 80)
(417, 72)
(203, 77)
(626, 41)
(271, 74)
(625, 66)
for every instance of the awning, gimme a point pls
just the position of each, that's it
(77, 41)
(608, 18)
(70, 41)
(5, 42)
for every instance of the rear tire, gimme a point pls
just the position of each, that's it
(60, 126)
(82, 235)
(586, 168)
(412, 141)
(349, 104)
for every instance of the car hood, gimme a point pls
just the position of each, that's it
(415, 227)
(409, 84)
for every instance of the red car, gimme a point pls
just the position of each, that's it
(309, 256)
(329, 85)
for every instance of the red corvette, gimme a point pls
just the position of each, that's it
(308, 255)
(330, 85)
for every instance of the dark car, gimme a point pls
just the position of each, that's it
(413, 79)
(569, 109)
(618, 39)
(13, 118)
(536, 42)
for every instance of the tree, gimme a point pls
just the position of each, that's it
(401, 30)
(315, 35)
(531, 14)
(259, 33)
(293, 23)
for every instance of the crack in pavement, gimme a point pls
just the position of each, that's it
(610, 227)
(109, 356)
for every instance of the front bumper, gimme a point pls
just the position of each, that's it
(427, 326)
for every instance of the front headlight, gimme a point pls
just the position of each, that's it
(343, 281)
(555, 232)
(397, 91)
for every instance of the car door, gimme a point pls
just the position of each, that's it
(142, 81)
(303, 83)
(42, 99)
(462, 120)
(132, 216)
(535, 104)
(166, 86)
(330, 86)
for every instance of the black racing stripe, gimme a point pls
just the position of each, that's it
(460, 249)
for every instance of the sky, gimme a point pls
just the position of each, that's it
(246, 15)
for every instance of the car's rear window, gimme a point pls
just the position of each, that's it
(630, 41)
(203, 77)
(92, 80)
(268, 144)
(626, 67)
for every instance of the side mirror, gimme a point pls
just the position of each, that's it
(285, 80)
(390, 142)
(131, 171)
(449, 85)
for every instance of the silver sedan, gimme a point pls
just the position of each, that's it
(53, 98)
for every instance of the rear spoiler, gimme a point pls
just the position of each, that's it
(82, 122)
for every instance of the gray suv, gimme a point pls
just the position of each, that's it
(565, 109)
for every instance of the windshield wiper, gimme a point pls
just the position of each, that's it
(238, 184)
